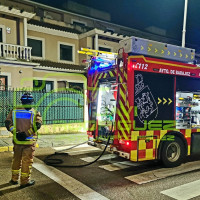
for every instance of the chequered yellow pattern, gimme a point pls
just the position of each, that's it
(145, 143)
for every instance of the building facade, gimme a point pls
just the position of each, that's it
(39, 44)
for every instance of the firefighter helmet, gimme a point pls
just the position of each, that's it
(27, 98)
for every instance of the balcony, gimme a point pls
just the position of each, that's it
(15, 52)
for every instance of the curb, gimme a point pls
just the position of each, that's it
(10, 148)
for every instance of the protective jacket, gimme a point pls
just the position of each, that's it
(23, 124)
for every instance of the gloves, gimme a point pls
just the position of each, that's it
(21, 136)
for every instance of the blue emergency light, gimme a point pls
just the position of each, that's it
(100, 64)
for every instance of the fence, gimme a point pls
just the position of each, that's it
(55, 107)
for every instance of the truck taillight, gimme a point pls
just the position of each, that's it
(127, 143)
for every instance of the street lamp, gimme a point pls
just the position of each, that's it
(184, 23)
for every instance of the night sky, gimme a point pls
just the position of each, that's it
(166, 15)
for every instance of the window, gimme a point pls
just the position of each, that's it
(42, 85)
(3, 83)
(76, 86)
(66, 52)
(36, 47)
(1, 34)
(62, 85)
(104, 49)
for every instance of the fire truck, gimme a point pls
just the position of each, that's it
(150, 91)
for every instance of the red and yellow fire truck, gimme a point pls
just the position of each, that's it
(151, 92)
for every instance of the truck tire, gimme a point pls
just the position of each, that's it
(173, 152)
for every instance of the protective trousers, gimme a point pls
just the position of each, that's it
(22, 162)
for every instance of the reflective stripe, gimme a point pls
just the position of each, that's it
(30, 138)
(23, 115)
(13, 118)
(11, 128)
(30, 131)
(24, 175)
(32, 118)
(16, 172)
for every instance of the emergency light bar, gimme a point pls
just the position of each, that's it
(141, 46)
(101, 59)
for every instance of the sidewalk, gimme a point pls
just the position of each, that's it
(48, 141)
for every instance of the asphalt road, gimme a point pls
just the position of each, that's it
(109, 178)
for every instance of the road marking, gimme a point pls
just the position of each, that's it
(104, 157)
(143, 177)
(119, 165)
(66, 147)
(77, 188)
(184, 192)
(82, 149)
(163, 173)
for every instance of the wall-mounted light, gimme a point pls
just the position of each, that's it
(8, 30)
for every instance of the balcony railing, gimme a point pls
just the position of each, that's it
(15, 52)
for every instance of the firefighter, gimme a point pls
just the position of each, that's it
(23, 122)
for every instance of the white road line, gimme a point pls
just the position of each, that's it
(184, 192)
(145, 177)
(104, 157)
(163, 173)
(66, 147)
(119, 165)
(83, 151)
(77, 188)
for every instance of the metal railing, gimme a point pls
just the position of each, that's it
(15, 52)
(55, 107)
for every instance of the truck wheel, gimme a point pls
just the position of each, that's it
(173, 152)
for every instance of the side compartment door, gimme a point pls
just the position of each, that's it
(147, 147)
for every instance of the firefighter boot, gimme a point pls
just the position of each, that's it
(13, 182)
(15, 177)
(32, 182)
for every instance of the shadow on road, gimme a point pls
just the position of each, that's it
(7, 190)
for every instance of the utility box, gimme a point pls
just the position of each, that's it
(140, 46)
